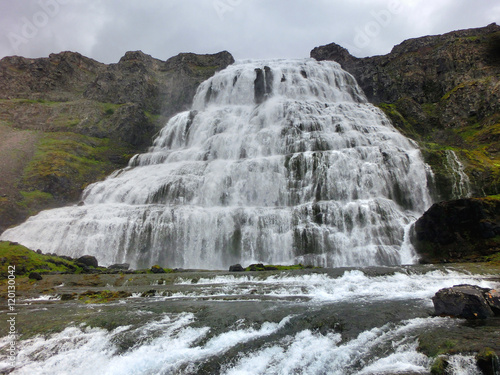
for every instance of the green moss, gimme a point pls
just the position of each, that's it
(64, 163)
(103, 296)
(452, 91)
(26, 261)
(32, 200)
(439, 366)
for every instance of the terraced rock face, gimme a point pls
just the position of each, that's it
(67, 121)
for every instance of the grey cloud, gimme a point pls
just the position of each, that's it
(106, 29)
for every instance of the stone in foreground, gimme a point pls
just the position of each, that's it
(466, 301)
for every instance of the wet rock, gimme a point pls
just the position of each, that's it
(256, 267)
(88, 260)
(122, 266)
(35, 276)
(149, 293)
(488, 362)
(493, 298)
(236, 268)
(157, 269)
(68, 296)
(463, 301)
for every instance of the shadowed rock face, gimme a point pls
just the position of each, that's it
(459, 230)
(67, 120)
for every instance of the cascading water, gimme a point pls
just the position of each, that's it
(461, 183)
(277, 162)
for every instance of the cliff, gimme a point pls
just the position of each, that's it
(444, 92)
(67, 121)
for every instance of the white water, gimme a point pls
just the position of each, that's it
(182, 342)
(461, 187)
(294, 167)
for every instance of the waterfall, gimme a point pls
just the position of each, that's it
(280, 161)
(461, 184)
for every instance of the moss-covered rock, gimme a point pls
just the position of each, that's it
(26, 261)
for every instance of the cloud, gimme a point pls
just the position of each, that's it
(106, 29)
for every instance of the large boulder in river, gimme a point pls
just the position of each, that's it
(467, 301)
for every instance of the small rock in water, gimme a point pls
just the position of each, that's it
(236, 268)
(465, 301)
(157, 269)
(121, 266)
(88, 260)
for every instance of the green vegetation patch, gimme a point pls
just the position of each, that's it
(102, 296)
(27, 261)
(64, 163)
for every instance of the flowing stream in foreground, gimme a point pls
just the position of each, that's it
(330, 321)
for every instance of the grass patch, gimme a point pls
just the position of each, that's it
(32, 200)
(27, 261)
(65, 163)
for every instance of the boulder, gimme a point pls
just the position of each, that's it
(88, 260)
(122, 266)
(35, 276)
(157, 269)
(493, 298)
(236, 268)
(463, 301)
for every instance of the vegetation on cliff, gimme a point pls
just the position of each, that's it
(67, 121)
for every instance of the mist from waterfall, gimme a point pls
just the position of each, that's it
(279, 162)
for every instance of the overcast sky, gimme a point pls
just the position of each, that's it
(105, 29)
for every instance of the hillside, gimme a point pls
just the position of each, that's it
(67, 121)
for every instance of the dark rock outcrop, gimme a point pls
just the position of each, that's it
(464, 301)
(88, 260)
(236, 268)
(157, 269)
(487, 360)
(120, 266)
(442, 91)
(35, 276)
(459, 230)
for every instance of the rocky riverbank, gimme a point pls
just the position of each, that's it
(352, 301)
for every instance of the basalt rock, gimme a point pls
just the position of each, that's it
(459, 230)
(88, 260)
(464, 301)
(236, 268)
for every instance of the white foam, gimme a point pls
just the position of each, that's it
(353, 285)
(163, 346)
(312, 353)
